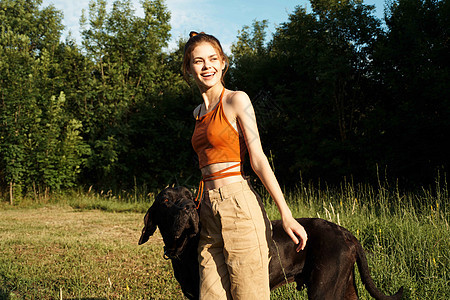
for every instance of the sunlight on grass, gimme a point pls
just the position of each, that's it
(84, 245)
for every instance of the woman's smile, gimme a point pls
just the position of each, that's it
(208, 75)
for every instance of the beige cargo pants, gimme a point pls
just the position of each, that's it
(233, 247)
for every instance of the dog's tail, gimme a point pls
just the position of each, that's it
(367, 279)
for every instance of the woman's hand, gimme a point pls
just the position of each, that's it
(295, 232)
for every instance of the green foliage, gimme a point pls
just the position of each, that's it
(249, 57)
(251, 43)
(138, 101)
(349, 95)
(96, 110)
(412, 67)
(314, 71)
(24, 18)
(41, 146)
(335, 93)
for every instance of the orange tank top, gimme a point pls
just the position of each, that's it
(215, 140)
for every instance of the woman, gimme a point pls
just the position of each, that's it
(233, 246)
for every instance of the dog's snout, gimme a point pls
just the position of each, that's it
(184, 204)
(189, 206)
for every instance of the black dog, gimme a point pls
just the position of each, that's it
(325, 267)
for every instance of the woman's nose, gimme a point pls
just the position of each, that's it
(206, 65)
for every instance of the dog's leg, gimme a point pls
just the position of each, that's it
(318, 286)
(332, 267)
(351, 292)
(325, 285)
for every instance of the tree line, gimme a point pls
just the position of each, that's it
(337, 93)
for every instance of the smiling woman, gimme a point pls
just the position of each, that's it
(235, 232)
(206, 64)
(208, 61)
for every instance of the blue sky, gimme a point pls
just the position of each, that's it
(222, 18)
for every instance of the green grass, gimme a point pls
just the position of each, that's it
(81, 245)
(406, 235)
(50, 251)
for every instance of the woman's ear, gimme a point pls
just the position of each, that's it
(224, 64)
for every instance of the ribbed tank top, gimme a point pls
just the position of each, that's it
(215, 140)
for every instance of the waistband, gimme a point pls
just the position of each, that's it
(213, 176)
(223, 173)
(229, 189)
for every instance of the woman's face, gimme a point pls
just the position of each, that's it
(206, 65)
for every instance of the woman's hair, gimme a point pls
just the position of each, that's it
(198, 38)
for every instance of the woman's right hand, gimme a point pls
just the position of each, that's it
(295, 231)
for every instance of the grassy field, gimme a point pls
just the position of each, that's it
(84, 246)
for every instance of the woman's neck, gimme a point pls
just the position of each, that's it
(211, 96)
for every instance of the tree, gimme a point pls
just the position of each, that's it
(249, 56)
(40, 144)
(129, 91)
(412, 65)
(315, 71)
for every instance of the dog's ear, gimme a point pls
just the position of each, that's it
(186, 192)
(149, 226)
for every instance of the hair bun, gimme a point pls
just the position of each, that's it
(194, 33)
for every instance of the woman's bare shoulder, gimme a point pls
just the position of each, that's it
(238, 98)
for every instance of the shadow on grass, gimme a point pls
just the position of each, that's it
(4, 294)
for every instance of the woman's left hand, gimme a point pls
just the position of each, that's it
(296, 232)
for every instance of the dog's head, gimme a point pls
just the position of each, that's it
(175, 214)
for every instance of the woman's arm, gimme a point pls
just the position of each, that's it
(245, 114)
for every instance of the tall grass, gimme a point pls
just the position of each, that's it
(136, 200)
(406, 235)
(82, 244)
